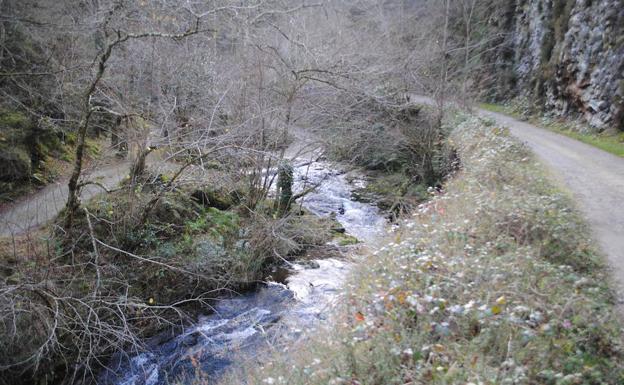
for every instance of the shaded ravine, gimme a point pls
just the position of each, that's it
(274, 314)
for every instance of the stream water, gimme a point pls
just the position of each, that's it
(275, 312)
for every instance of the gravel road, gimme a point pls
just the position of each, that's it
(594, 177)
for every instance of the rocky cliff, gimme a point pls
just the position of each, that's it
(566, 56)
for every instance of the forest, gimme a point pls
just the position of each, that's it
(290, 191)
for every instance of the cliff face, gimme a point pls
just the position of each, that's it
(567, 56)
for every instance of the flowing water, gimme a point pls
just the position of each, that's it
(275, 312)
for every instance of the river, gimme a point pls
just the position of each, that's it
(274, 314)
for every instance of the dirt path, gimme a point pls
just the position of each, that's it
(42, 206)
(595, 178)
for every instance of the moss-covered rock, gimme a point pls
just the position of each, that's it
(174, 208)
(396, 192)
(14, 164)
(25, 148)
(218, 199)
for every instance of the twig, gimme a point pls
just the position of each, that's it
(96, 253)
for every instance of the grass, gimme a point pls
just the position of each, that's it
(493, 282)
(609, 142)
(497, 108)
(613, 144)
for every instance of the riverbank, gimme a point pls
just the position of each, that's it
(148, 259)
(478, 287)
(291, 300)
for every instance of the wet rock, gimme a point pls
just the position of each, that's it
(310, 264)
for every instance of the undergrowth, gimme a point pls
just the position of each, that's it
(34, 153)
(138, 261)
(401, 150)
(492, 282)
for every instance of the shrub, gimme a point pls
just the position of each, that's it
(406, 139)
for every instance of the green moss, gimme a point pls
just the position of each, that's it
(219, 199)
(14, 164)
(13, 120)
(346, 239)
(93, 148)
(25, 151)
(284, 187)
(223, 224)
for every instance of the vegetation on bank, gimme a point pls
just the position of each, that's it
(403, 153)
(159, 248)
(144, 258)
(478, 287)
(606, 141)
(33, 154)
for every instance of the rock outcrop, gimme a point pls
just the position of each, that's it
(567, 56)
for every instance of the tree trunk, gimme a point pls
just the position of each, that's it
(115, 132)
(138, 169)
(73, 201)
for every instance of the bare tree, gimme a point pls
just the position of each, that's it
(119, 37)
